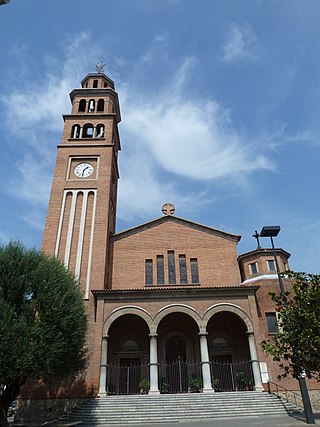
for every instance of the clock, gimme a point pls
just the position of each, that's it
(83, 170)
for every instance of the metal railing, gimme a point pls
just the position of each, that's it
(283, 393)
(179, 377)
(231, 376)
(126, 379)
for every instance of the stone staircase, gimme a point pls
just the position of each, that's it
(137, 409)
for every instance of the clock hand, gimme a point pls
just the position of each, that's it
(84, 170)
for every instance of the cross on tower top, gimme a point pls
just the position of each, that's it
(100, 65)
(256, 235)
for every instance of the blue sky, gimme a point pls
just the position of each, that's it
(220, 106)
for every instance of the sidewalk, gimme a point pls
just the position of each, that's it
(271, 421)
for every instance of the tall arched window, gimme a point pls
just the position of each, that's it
(87, 130)
(91, 106)
(100, 106)
(82, 106)
(100, 130)
(75, 131)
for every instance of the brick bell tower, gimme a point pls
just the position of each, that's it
(82, 207)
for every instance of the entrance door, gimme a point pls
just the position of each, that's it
(129, 376)
(176, 375)
(222, 373)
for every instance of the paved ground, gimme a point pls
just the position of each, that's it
(271, 421)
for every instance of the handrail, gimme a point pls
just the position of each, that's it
(284, 392)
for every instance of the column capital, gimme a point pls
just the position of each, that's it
(203, 333)
(105, 337)
(153, 335)
(249, 333)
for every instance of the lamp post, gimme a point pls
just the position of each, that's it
(273, 231)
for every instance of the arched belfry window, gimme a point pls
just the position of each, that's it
(91, 106)
(75, 131)
(87, 130)
(100, 106)
(100, 130)
(82, 106)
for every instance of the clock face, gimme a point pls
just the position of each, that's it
(83, 170)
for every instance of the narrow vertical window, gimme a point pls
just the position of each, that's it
(183, 269)
(194, 270)
(160, 270)
(171, 268)
(82, 105)
(91, 106)
(149, 274)
(271, 265)
(100, 131)
(100, 106)
(75, 131)
(272, 323)
(95, 83)
(253, 268)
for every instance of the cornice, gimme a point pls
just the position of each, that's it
(264, 251)
(153, 293)
(178, 220)
(87, 116)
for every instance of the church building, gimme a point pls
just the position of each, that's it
(172, 307)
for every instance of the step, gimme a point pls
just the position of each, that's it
(130, 409)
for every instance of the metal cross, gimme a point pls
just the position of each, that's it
(256, 235)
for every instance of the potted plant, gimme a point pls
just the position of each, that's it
(195, 383)
(164, 386)
(144, 386)
(242, 381)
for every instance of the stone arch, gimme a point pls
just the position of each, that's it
(121, 311)
(231, 308)
(176, 308)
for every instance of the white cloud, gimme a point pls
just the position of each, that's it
(40, 104)
(240, 44)
(167, 138)
(190, 138)
(33, 118)
(172, 137)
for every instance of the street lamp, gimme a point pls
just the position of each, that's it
(273, 231)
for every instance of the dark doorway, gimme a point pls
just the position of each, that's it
(176, 372)
(175, 349)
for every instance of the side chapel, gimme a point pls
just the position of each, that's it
(169, 301)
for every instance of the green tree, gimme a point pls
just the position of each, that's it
(297, 345)
(43, 321)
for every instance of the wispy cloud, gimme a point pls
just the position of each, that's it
(167, 138)
(240, 45)
(170, 137)
(33, 121)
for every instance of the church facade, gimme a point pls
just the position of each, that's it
(171, 306)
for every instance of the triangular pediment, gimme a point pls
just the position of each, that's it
(177, 220)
